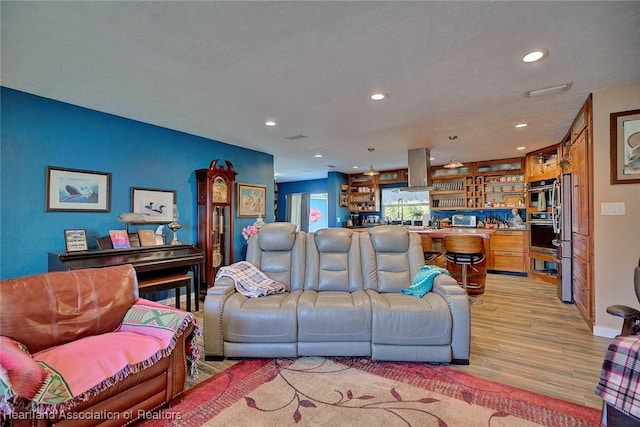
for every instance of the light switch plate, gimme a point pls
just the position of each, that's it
(614, 208)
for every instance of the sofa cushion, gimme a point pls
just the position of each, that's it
(277, 236)
(270, 319)
(334, 316)
(406, 320)
(279, 251)
(391, 257)
(333, 261)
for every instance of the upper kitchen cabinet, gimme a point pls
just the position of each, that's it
(501, 167)
(544, 163)
(395, 176)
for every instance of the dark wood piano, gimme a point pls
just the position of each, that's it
(157, 267)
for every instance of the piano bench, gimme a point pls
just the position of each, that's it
(164, 283)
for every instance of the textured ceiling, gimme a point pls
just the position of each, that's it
(220, 69)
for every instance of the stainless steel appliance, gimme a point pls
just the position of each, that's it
(561, 220)
(464, 221)
(541, 233)
(540, 194)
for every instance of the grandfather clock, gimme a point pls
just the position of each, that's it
(215, 217)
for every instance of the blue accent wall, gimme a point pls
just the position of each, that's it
(284, 188)
(331, 185)
(39, 132)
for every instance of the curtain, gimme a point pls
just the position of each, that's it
(297, 210)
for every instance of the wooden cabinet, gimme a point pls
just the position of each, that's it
(394, 176)
(490, 184)
(508, 251)
(543, 164)
(581, 186)
(582, 213)
(364, 194)
(582, 293)
(448, 193)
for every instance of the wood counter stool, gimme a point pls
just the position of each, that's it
(465, 251)
(429, 255)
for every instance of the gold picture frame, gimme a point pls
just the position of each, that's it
(342, 199)
(624, 128)
(251, 200)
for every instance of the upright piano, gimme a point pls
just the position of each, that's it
(151, 262)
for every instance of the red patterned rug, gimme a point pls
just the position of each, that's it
(319, 391)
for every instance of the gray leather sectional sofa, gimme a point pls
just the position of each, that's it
(343, 298)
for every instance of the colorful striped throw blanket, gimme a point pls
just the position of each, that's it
(620, 375)
(71, 373)
(250, 281)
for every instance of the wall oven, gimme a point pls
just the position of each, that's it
(542, 233)
(540, 194)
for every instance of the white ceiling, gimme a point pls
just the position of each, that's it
(220, 69)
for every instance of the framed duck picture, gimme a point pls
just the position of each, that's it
(156, 205)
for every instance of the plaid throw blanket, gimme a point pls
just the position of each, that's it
(620, 375)
(250, 281)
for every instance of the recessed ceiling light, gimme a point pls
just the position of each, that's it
(378, 96)
(521, 148)
(521, 125)
(269, 123)
(432, 158)
(317, 156)
(547, 90)
(535, 55)
(355, 167)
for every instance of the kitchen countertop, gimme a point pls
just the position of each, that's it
(442, 232)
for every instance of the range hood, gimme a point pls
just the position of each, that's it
(419, 170)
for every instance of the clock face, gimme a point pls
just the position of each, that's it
(219, 190)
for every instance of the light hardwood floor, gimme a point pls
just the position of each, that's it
(522, 335)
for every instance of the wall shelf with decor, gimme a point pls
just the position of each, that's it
(364, 193)
(504, 191)
(495, 184)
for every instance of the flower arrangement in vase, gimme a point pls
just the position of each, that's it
(249, 231)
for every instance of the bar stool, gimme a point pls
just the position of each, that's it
(465, 251)
(427, 244)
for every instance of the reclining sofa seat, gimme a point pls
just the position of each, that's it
(334, 311)
(343, 297)
(405, 327)
(238, 326)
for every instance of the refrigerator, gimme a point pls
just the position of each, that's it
(561, 218)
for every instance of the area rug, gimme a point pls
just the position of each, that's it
(360, 392)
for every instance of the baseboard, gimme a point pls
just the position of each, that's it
(600, 331)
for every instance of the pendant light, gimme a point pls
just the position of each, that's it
(453, 164)
(371, 171)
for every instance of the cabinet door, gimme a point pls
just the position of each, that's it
(581, 288)
(580, 175)
(508, 251)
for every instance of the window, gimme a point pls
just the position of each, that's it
(405, 205)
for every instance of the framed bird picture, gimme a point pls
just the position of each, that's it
(77, 190)
(156, 205)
